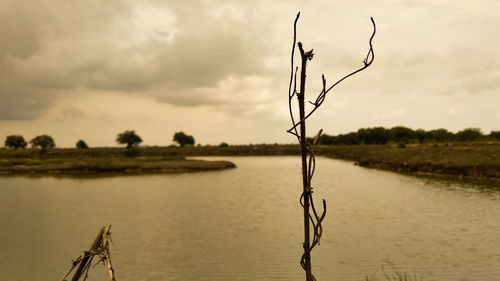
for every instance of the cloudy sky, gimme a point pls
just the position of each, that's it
(219, 70)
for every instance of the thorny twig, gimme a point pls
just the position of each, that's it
(309, 166)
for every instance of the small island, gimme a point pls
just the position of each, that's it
(82, 166)
(100, 161)
(44, 159)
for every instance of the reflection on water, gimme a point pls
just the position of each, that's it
(491, 187)
(246, 224)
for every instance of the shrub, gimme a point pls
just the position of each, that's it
(182, 139)
(15, 141)
(469, 134)
(130, 138)
(495, 135)
(43, 141)
(82, 145)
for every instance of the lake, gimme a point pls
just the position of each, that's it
(246, 224)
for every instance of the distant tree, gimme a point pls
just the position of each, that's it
(401, 134)
(440, 135)
(469, 134)
(364, 135)
(223, 144)
(42, 141)
(81, 144)
(130, 138)
(15, 141)
(377, 135)
(325, 139)
(495, 135)
(348, 139)
(380, 135)
(420, 135)
(182, 139)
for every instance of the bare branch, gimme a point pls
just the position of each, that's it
(370, 56)
(307, 149)
(294, 79)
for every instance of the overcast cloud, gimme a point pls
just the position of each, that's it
(219, 69)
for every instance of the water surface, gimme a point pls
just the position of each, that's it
(246, 224)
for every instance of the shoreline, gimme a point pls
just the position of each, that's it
(456, 160)
(109, 166)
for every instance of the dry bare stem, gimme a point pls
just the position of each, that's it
(298, 129)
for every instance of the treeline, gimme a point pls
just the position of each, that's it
(128, 137)
(404, 135)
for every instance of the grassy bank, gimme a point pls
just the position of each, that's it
(459, 160)
(464, 160)
(99, 161)
(166, 152)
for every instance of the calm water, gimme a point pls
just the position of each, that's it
(245, 224)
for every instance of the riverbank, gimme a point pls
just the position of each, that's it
(457, 160)
(107, 165)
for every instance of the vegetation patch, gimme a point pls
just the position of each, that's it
(99, 163)
(474, 160)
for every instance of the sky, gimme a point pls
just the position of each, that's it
(219, 70)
